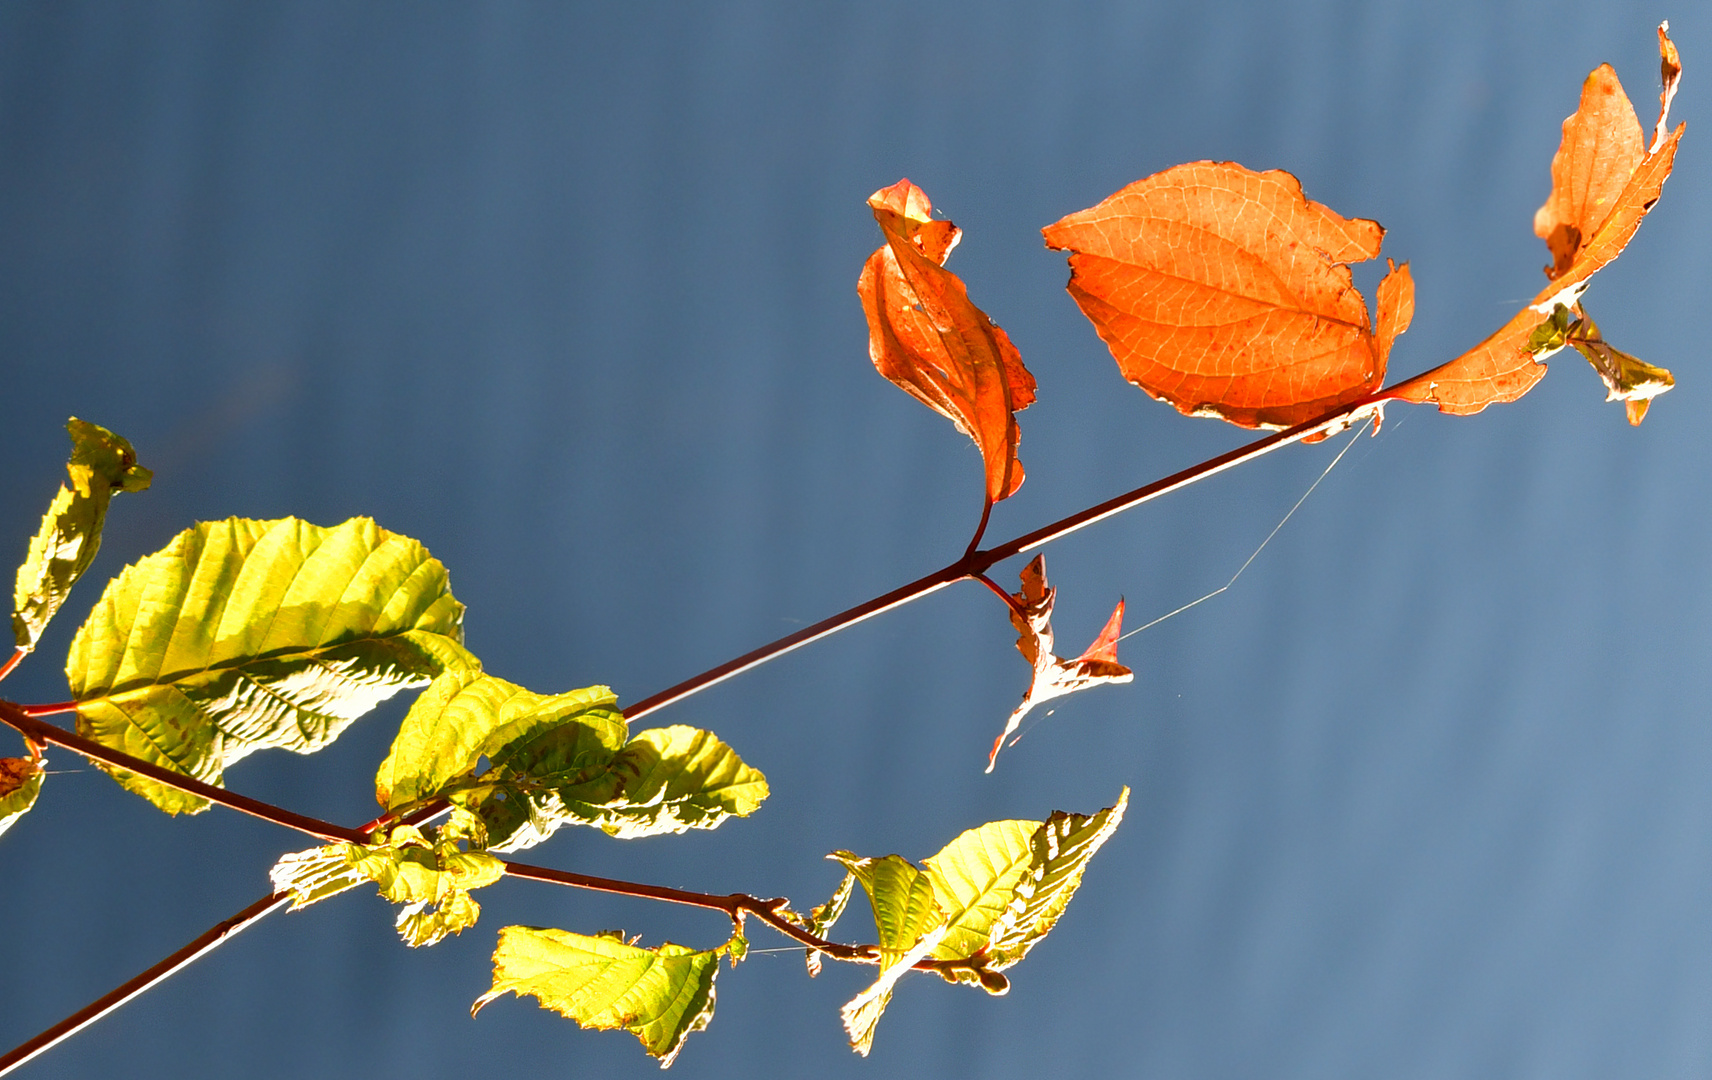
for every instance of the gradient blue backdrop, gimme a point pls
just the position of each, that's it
(567, 292)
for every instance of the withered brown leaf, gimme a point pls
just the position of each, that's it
(1054, 677)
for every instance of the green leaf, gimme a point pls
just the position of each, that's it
(1628, 379)
(861, 1014)
(465, 715)
(70, 535)
(910, 925)
(20, 783)
(245, 635)
(659, 995)
(975, 878)
(901, 896)
(821, 919)
(1060, 850)
(432, 880)
(664, 780)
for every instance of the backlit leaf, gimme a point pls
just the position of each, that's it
(861, 1014)
(431, 879)
(925, 335)
(821, 919)
(70, 535)
(1061, 849)
(1604, 181)
(659, 995)
(664, 780)
(975, 878)
(1632, 381)
(910, 925)
(20, 783)
(244, 635)
(1054, 677)
(901, 895)
(1225, 292)
(466, 715)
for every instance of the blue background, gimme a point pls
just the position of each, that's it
(567, 292)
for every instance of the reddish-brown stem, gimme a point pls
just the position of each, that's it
(999, 591)
(904, 594)
(980, 529)
(203, 944)
(206, 942)
(735, 905)
(43, 732)
(18, 654)
(54, 709)
(1331, 423)
(977, 562)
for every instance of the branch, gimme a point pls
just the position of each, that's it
(974, 563)
(735, 905)
(203, 944)
(43, 732)
(211, 939)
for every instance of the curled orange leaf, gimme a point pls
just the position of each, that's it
(1226, 293)
(926, 336)
(1031, 614)
(1604, 181)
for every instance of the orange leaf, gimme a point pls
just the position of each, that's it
(1054, 677)
(925, 335)
(1603, 183)
(1225, 292)
(1498, 370)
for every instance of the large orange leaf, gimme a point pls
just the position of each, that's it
(1225, 292)
(925, 335)
(1604, 181)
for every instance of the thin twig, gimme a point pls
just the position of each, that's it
(44, 732)
(204, 943)
(18, 654)
(53, 709)
(978, 562)
(735, 905)
(211, 939)
(999, 591)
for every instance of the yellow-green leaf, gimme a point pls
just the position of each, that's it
(1060, 850)
(861, 1014)
(432, 880)
(664, 780)
(70, 535)
(659, 995)
(466, 715)
(821, 919)
(975, 878)
(20, 783)
(901, 896)
(245, 635)
(910, 925)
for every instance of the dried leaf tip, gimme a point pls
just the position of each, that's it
(1670, 74)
